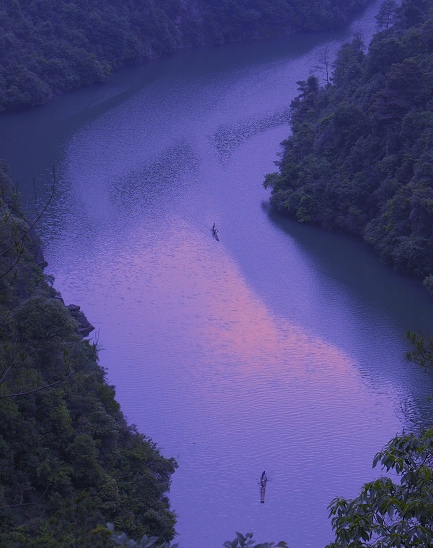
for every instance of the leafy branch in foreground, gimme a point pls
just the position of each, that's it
(247, 541)
(241, 541)
(386, 513)
(123, 540)
(422, 352)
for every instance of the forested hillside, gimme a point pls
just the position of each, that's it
(68, 459)
(360, 156)
(50, 46)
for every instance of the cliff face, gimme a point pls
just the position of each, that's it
(68, 459)
(49, 47)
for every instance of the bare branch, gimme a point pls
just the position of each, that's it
(34, 223)
(14, 264)
(50, 385)
(324, 63)
(26, 503)
(9, 368)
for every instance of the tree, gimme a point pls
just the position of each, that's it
(387, 15)
(247, 541)
(68, 458)
(16, 233)
(388, 513)
(123, 540)
(324, 63)
(422, 352)
(37, 321)
(359, 154)
(241, 541)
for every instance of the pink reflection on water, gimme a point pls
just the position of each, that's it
(204, 367)
(175, 285)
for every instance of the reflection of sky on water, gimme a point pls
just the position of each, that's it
(267, 350)
(204, 367)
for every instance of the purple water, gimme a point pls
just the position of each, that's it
(280, 347)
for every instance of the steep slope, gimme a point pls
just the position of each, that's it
(68, 459)
(360, 156)
(47, 47)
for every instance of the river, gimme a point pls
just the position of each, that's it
(278, 348)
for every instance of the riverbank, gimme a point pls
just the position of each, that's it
(359, 156)
(69, 460)
(48, 49)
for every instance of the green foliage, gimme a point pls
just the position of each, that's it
(394, 511)
(123, 540)
(387, 15)
(17, 248)
(68, 459)
(428, 283)
(360, 154)
(241, 541)
(389, 513)
(247, 541)
(422, 350)
(50, 47)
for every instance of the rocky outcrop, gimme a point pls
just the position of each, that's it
(85, 327)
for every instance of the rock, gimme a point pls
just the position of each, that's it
(40, 259)
(85, 327)
(85, 331)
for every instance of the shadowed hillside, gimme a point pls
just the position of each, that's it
(48, 47)
(68, 459)
(361, 154)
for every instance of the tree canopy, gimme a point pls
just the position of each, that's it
(360, 154)
(48, 47)
(68, 459)
(387, 513)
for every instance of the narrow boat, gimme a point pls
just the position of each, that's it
(263, 482)
(215, 232)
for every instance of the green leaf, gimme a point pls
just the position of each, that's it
(150, 541)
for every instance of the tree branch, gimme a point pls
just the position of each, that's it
(46, 386)
(26, 503)
(31, 226)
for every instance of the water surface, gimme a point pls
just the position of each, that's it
(279, 348)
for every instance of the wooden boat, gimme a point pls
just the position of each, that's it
(263, 482)
(215, 233)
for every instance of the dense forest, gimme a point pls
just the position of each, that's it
(68, 459)
(50, 46)
(360, 156)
